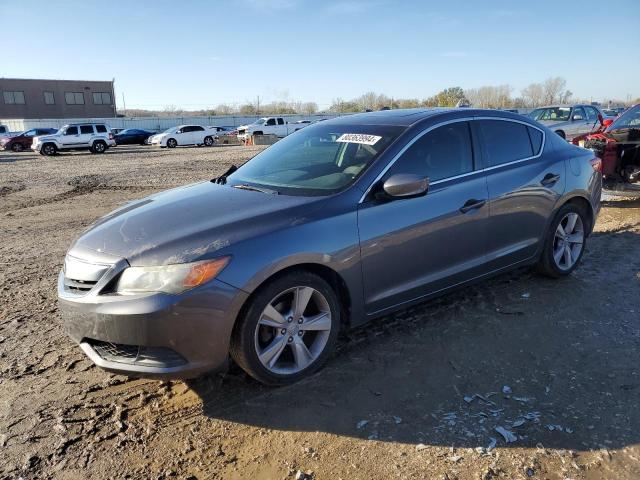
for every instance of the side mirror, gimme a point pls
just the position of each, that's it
(577, 117)
(405, 185)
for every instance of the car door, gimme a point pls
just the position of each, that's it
(71, 137)
(416, 246)
(579, 123)
(525, 180)
(26, 139)
(86, 134)
(624, 143)
(197, 134)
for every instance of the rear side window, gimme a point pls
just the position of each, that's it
(535, 136)
(86, 129)
(504, 141)
(442, 153)
(197, 129)
(101, 129)
(280, 121)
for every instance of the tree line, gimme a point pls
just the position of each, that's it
(552, 90)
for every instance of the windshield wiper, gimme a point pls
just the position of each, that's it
(256, 189)
(222, 179)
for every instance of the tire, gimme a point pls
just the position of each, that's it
(558, 243)
(171, 143)
(48, 149)
(282, 351)
(98, 147)
(208, 141)
(17, 147)
(561, 134)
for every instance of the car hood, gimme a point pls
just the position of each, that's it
(43, 138)
(190, 223)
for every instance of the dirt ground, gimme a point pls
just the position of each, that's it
(416, 395)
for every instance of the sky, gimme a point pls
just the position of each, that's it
(197, 54)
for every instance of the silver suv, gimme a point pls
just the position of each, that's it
(95, 137)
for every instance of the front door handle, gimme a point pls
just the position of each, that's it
(472, 204)
(550, 179)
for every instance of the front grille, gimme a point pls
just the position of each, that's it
(81, 276)
(137, 354)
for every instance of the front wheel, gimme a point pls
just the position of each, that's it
(17, 147)
(565, 242)
(171, 143)
(48, 149)
(288, 330)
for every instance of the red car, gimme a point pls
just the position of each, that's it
(23, 141)
(617, 143)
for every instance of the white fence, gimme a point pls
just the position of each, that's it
(150, 123)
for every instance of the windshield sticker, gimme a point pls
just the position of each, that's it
(362, 138)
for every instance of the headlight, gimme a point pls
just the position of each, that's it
(169, 278)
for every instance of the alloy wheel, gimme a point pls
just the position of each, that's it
(293, 330)
(568, 241)
(17, 147)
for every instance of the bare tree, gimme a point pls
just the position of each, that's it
(554, 89)
(533, 95)
(490, 96)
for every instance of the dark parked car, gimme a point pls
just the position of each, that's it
(617, 144)
(132, 136)
(338, 223)
(23, 141)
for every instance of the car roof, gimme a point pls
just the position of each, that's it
(411, 116)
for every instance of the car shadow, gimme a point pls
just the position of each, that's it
(551, 361)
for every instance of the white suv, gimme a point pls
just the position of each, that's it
(96, 137)
(184, 135)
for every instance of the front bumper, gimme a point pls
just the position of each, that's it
(154, 335)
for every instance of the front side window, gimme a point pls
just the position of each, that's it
(85, 129)
(592, 113)
(30, 133)
(318, 160)
(74, 98)
(71, 131)
(504, 141)
(13, 98)
(101, 98)
(442, 153)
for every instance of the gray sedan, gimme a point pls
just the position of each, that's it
(569, 121)
(345, 220)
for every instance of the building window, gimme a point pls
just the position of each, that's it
(13, 98)
(74, 98)
(49, 98)
(101, 98)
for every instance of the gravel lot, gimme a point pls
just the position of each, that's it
(417, 395)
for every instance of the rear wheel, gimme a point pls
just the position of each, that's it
(171, 143)
(48, 149)
(565, 242)
(17, 147)
(208, 141)
(289, 329)
(99, 147)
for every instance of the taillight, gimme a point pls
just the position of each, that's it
(110, 136)
(596, 164)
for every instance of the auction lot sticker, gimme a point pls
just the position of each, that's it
(362, 138)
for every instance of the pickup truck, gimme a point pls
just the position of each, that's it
(269, 126)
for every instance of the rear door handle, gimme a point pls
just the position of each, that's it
(472, 204)
(550, 179)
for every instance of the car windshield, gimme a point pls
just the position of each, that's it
(629, 119)
(554, 114)
(319, 160)
(171, 130)
(124, 132)
(259, 121)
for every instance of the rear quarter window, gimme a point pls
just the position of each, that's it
(504, 141)
(536, 139)
(101, 129)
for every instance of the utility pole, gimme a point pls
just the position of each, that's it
(258, 105)
(124, 105)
